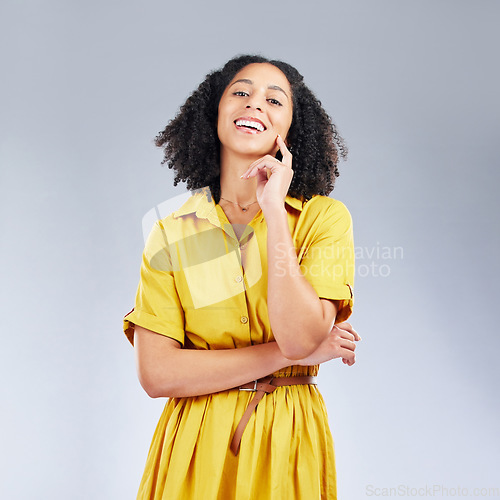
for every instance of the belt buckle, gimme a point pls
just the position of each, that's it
(252, 389)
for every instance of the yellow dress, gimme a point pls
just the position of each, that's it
(205, 288)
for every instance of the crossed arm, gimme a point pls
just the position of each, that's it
(302, 323)
(167, 370)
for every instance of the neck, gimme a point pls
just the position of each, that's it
(232, 187)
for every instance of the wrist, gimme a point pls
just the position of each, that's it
(273, 210)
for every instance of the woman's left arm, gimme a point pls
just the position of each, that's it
(299, 319)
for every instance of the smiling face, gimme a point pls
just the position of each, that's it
(255, 107)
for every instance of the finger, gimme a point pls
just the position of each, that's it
(349, 356)
(344, 325)
(343, 333)
(251, 166)
(255, 163)
(266, 157)
(255, 170)
(285, 152)
(267, 161)
(347, 344)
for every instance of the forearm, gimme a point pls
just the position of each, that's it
(187, 372)
(295, 310)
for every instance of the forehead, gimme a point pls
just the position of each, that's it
(263, 74)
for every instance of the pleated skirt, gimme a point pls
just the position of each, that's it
(286, 451)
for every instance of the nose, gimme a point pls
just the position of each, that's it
(255, 101)
(256, 107)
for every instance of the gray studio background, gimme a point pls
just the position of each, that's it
(413, 87)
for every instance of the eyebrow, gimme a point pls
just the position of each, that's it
(249, 82)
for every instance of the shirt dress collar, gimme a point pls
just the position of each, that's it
(202, 203)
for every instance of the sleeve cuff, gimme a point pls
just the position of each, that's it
(343, 293)
(153, 323)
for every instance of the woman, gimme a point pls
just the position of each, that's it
(240, 289)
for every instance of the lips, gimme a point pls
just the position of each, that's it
(250, 124)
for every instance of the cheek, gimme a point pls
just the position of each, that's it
(223, 128)
(285, 128)
(285, 122)
(222, 123)
(223, 115)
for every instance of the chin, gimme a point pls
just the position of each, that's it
(254, 150)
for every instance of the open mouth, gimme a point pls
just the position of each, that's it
(250, 125)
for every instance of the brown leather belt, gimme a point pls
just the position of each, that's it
(263, 386)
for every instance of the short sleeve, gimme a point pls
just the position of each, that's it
(157, 304)
(328, 263)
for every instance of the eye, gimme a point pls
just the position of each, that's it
(240, 93)
(275, 102)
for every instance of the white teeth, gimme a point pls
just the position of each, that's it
(246, 123)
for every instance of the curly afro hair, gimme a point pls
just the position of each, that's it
(192, 148)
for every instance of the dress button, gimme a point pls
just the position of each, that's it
(244, 319)
(238, 279)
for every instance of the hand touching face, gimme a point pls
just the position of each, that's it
(255, 107)
(273, 177)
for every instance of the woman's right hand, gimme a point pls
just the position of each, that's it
(340, 343)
